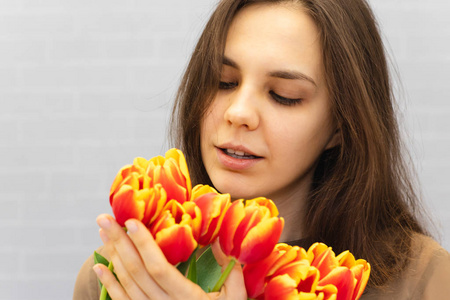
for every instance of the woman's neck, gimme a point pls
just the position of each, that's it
(292, 209)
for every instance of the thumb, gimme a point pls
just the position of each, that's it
(221, 258)
(234, 286)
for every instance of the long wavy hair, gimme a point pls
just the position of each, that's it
(362, 197)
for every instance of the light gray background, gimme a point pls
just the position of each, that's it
(86, 85)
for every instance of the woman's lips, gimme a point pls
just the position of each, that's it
(239, 154)
(236, 159)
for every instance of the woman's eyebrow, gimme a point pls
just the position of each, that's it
(292, 75)
(279, 74)
(229, 62)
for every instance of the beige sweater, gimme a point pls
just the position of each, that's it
(427, 276)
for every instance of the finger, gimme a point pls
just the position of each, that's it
(131, 288)
(168, 278)
(234, 286)
(113, 287)
(220, 257)
(127, 261)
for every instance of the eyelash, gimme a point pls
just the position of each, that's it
(279, 99)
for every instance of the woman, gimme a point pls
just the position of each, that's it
(292, 100)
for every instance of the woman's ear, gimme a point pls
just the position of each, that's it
(335, 139)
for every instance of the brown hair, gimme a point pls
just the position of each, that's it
(362, 198)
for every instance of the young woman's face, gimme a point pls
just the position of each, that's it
(270, 119)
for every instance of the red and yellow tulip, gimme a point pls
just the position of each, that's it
(176, 230)
(292, 273)
(285, 273)
(132, 197)
(348, 275)
(213, 207)
(142, 189)
(172, 173)
(250, 231)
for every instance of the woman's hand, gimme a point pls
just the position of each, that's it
(144, 272)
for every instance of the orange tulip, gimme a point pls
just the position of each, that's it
(250, 231)
(256, 275)
(213, 207)
(172, 173)
(132, 197)
(347, 275)
(360, 269)
(176, 230)
(292, 273)
(142, 189)
(138, 167)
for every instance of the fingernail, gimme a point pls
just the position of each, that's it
(103, 235)
(103, 222)
(131, 226)
(98, 271)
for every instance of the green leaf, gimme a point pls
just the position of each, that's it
(192, 271)
(208, 270)
(183, 266)
(99, 259)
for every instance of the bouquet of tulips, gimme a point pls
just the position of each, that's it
(182, 219)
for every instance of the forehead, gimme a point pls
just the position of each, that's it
(278, 18)
(275, 36)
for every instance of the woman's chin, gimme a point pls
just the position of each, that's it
(238, 193)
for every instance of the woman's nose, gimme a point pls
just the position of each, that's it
(242, 110)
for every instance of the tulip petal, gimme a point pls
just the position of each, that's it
(281, 287)
(260, 240)
(178, 156)
(172, 173)
(127, 204)
(309, 283)
(328, 292)
(289, 254)
(213, 212)
(346, 259)
(156, 203)
(343, 279)
(362, 277)
(233, 218)
(165, 220)
(200, 190)
(297, 270)
(253, 215)
(269, 204)
(195, 220)
(176, 242)
(325, 261)
(117, 180)
(173, 189)
(255, 274)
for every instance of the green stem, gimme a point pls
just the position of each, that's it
(104, 292)
(224, 275)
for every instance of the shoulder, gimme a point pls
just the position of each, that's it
(86, 285)
(425, 277)
(433, 265)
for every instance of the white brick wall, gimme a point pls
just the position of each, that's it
(418, 37)
(86, 85)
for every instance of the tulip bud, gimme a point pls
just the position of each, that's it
(213, 207)
(172, 173)
(175, 230)
(250, 231)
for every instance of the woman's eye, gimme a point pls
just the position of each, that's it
(223, 85)
(283, 100)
